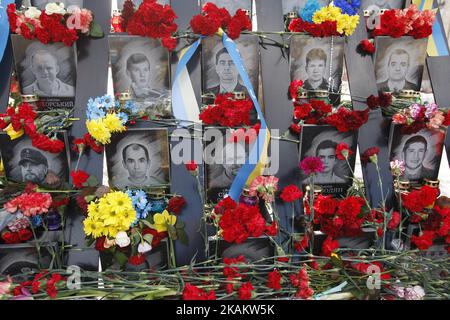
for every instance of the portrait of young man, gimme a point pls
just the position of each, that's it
(397, 68)
(326, 151)
(414, 153)
(316, 62)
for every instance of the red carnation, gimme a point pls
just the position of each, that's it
(385, 99)
(294, 88)
(273, 280)
(295, 128)
(395, 221)
(302, 244)
(370, 155)
(10, 237)
(79, 178)
(302, 111)
(329, 246)
(343, 151)
(367, 46)
(291, 193)
(245, 291)
(311, 165)
(176, 204)
(136, 260)
(169, 43)
(191, 166)
(325, 205)
(25, 234)
(424, 241)
(157, 236)
(373, 102)
(192, 292)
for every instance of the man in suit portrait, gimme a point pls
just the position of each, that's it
(414, 153)
(397, 69)
(45, 68)
(326, 151)
(227, 73)
(316, 62)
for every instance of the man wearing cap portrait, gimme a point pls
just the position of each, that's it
(33, 165)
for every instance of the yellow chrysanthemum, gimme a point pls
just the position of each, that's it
(345, 24)
(13, 134)
(99, 131)
(163, 220)
(93, 227)
(113, 123)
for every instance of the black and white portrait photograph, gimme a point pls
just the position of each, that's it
(399, 63)
(48, 71)
(137, 3)
(139, 158)
(420, 152)
(231, 5)
(318, 62)
(219, 74)
(25, 163)
(140, 66)
(223, 160)
(383, 4)
(321, 142)
(40, 4)
(298, 5)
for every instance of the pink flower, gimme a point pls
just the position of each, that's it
(264, 187)
(30, 204)
(397, 167)
(436, 121)
(399, 118)
(80, 19)
(5, 286)
(311, 165)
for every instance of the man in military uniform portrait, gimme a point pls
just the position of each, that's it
(45, 68)
(33, 165)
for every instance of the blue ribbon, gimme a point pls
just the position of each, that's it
(4, 26)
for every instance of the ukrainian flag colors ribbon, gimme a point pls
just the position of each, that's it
(437, 42)
(185, 107)
(4, 26)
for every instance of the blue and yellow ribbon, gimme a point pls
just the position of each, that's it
(185, 107)
(4, 26)
(437, 41)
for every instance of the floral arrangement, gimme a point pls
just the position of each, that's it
(405, 22)
(227, 111)
(420, 116)
(106, 116)
(213, 18)
(337, 19)
(54, 24)
(40, 126)
(129, 223)
(151, 20)
(238, 222)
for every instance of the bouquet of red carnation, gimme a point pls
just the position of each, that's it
(407, 22)
(151, 20)
(227, 111)
(238, 222)
(324, 29)
(54, 24)
(213, 18)
(21, 118)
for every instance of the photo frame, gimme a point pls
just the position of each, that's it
(141, 67)
(46, 70)
(321, 141)
(139, 158)
(421, 152)
(399, 63)
(383, 4)
(318, 62)
(25, 163)
(40, 4)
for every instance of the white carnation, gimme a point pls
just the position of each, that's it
(56, 8)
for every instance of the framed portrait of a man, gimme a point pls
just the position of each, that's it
(420, 152)
(231, 5)
(46, 70)
(140, 66)
(139, 158)
(383, 4)
(298, 5)
(399, 63)
(40, 4)
(318, 62)
(223, 160)
(25, 163)
(321, 142)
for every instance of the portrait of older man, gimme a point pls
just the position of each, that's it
(414, 153)
(222, 175)
(383, 4)
(33, 165)
(316, 62)
(326, 151)
(227, 73)
(397, 68)
(45, 69)
(136, 162)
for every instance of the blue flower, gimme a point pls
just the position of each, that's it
(349, 7)
(108, 102)
(93, 111)
(123, 117)
(130, 105)
(36, 221)
(308, 10)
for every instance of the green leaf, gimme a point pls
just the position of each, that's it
(89, 242)
(182, 236)
(121, 258)
(91, 182)
(95, 30)
(90, 198)
(180, 224)
(148, 238)
(172, 232)
(148, 224)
